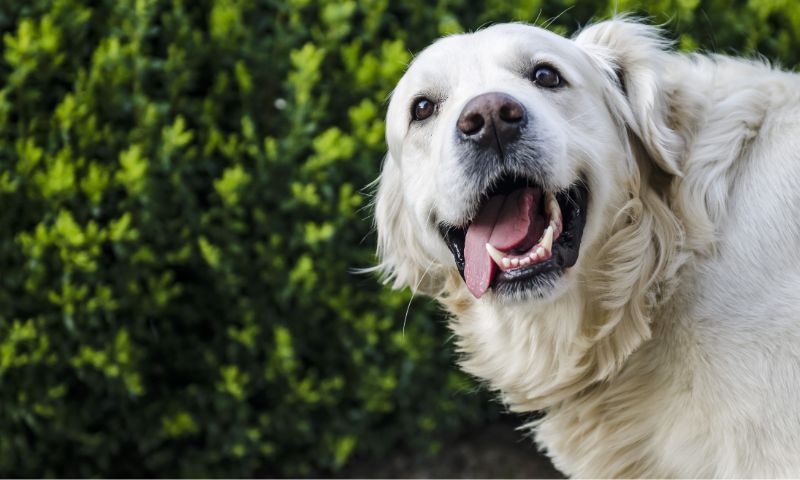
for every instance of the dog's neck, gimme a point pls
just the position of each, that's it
(537, 359)
(547, 360)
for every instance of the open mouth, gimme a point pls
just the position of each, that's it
(522, 238)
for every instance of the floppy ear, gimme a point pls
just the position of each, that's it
(633, 56)
(403, 261)
(637, 263)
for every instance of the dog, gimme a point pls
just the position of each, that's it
(611, 227)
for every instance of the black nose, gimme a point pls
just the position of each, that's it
(492, 118)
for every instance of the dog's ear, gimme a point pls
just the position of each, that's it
(633, 57)
(403, 261)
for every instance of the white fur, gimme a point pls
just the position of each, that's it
(672, 348)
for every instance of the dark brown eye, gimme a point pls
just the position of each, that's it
(422, 109)
(546, 76)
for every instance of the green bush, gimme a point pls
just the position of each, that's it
(182, 185)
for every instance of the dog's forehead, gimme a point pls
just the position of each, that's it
(508, 46)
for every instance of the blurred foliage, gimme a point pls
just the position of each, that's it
(182, 185)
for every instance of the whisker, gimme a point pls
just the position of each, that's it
(419, 282)
(579, 116)
(538, 15)
(414, 294)
(552, 20)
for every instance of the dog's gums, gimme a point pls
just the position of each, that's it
(541, 251)
(507, 246)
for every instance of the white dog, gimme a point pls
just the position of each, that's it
(612, 227)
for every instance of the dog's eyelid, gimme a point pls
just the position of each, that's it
(433, 96)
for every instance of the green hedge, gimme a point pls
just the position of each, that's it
(183, 200)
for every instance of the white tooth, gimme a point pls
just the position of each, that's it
(533, 256)
(506, 263)
(496, 254)
(556, 228)
(540, 252)
(555, 210)
(515, 262)
(525, 261)
(547, 239)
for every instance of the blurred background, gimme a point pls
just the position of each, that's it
(184, 191)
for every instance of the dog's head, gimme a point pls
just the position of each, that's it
(520, 174)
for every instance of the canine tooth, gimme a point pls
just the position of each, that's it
(554, 209)
(506, 263)
(547, 239)
(540, 252)
(497, 255)
(556, 228)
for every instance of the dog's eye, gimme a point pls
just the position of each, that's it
(546, 76)
(422, 109)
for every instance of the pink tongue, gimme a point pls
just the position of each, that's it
(504, 222)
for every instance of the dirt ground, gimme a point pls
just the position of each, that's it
(496, 451)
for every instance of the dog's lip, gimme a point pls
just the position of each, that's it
(573, 202)
(521, 273)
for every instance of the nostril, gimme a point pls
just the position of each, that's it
(491, 117)
(471, 123)
(511, 112)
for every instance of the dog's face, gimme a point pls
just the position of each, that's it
(509, 153)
